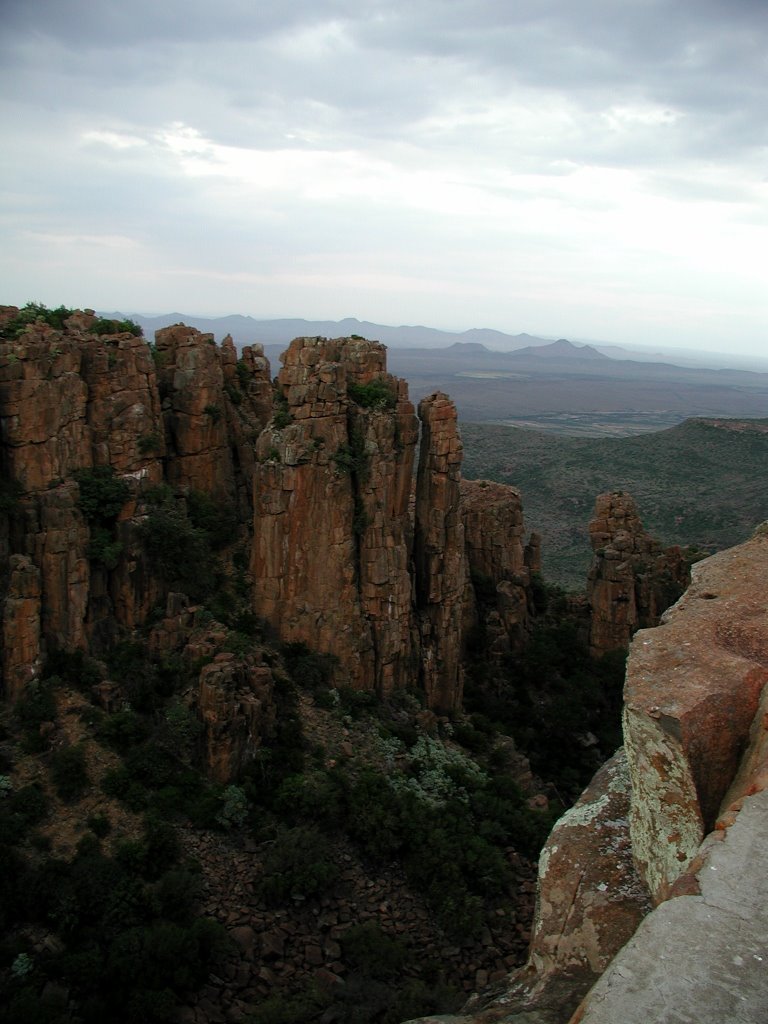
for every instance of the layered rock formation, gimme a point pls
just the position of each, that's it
(77, 402)
(337, 561)
(331, 549)
(344, 553)
(632, 579)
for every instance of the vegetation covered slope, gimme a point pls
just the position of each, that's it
(702, 483)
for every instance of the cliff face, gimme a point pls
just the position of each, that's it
(339, 559)
(632, 579)
(331, 553)
(75, 404)
(345, 554)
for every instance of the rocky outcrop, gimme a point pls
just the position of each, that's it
(237, 710)
(632, 579)
(693, 688)
(500, 564)
(75, 400)
(345, 554)
(204, 398)
(696, 702)
(337, 561)
(331, 549)
(439, 556)
(590, 899)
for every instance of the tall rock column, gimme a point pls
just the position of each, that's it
(331, 485)
(632, 579)
(500, 593)
(439, 556)
(192, 387)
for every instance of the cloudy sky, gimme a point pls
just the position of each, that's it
(592, 169)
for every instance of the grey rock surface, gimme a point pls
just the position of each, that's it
(701, 957)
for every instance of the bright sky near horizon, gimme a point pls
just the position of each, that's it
(581, 168)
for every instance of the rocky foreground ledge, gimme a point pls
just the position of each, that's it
(653, 894)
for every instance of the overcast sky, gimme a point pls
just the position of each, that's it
(583, 168)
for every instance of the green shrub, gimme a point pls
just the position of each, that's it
(376, 394)
(74, 667)
(149, 443)
(106, 326)
(122, 730)
(299, 862)
(35, 312)
(99, 824)
(69, 773)
(102, 494)
(179, 551)
(308, 669)
(369, 950)
(218, 521)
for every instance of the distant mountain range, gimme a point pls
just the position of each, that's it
(245, 330)
(559, 386)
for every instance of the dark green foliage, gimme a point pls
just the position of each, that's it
(452, 851)
(299, 862)
(132, 943)
(38, 705)
(214, 411)
(148, 443)
(179, 551)
(104, 548)
(307, 668)
(369, 950)
(122, 730)
(35, 312)
(376, 394)
(105, 326)
(281, 416)
(553, 696)
(74, 667)
(102, 494)
(99, 824)
(216, 520)
(69, 773)
(281, 755)
(243, 374)
(351, 457)
(20, 811)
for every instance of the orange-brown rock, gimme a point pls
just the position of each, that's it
(71, 400)
(632, 579)
(22, 640)
(331, 531)
(692, 691)
(498, 563)
(191, 383)
(236, 708)
(439, 555)
(43, 398)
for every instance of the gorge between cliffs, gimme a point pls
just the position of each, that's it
(289, 711)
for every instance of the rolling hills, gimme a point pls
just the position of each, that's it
(702, 483)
